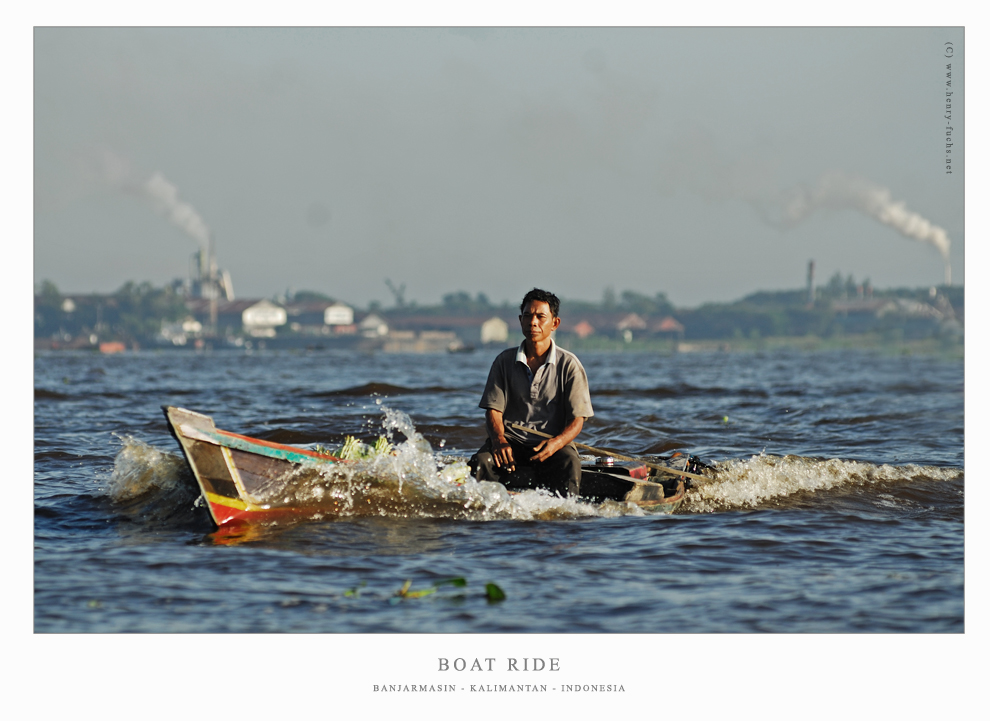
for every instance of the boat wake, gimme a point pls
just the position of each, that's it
(414, 481)
(791, 481)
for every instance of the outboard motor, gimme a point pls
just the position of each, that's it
(697, 466)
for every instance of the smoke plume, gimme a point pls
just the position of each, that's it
(116, 171)
(838, 191)
(165, 196)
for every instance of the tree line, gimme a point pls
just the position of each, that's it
(137, 311)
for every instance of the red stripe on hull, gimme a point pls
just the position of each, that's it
(225, 515)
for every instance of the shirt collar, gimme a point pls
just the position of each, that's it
(551, 356)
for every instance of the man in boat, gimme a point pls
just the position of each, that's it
(540, 386)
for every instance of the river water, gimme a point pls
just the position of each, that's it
(838, 506)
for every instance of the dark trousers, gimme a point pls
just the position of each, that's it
(560, 473)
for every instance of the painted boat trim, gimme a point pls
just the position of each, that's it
(229, 512)
(226, 439)
(231, 502)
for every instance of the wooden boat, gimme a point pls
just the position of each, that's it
(249, 480)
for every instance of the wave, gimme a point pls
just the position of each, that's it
(40, 394)
(380, 389)
(415, 481)
(682, 391)
(767, 481)
(88, 393)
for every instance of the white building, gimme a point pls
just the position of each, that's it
(494, 330)
(373, 327)
(338, 314)
(261, 319)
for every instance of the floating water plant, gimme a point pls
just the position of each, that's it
(492, 592)
(452, 581)
(404, 592)
(356, 591)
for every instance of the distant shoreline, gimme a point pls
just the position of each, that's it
(872, 341)
(948, 348)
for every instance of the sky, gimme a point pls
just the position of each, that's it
(493, 160)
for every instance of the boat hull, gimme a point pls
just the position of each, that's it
(236, 473)
(247, 480)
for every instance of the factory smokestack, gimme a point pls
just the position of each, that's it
(116, 170)
(811, 283)
(165, 197)
(837, 191)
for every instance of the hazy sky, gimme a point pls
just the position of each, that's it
(494, 160)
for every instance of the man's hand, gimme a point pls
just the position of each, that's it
(545, 449)
(502, 454)
(501, 450)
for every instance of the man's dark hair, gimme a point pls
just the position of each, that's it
(544, 296)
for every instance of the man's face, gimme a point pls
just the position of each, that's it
(537, 322)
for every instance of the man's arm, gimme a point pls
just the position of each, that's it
(501, 450)
(547, 448)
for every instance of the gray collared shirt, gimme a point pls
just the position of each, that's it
(546, 400)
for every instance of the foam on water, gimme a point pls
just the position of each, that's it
(437, 478)
(764, 480)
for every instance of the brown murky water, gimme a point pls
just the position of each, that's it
(838, 507)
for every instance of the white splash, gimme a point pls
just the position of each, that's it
(415, 481)
(140, 468)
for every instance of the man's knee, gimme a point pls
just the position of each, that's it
(482, 465)
(571, 464)
(563, 470)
